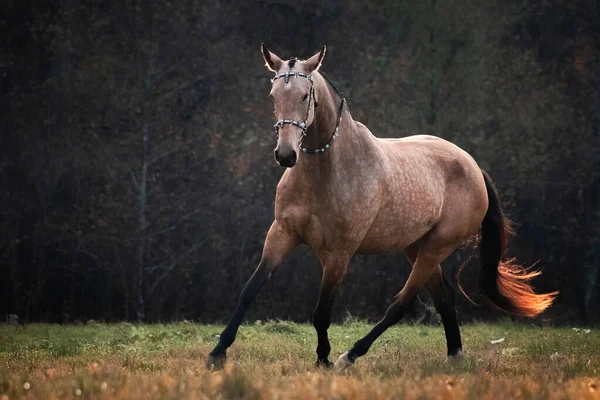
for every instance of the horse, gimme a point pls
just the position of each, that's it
(345, 191)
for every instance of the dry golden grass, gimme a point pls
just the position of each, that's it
(275, 361)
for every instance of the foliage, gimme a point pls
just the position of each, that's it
(136, 170)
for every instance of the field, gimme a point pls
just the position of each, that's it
(274, 360)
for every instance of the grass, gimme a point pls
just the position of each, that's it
(276, 360)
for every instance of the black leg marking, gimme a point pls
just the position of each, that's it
(444, 298)
(392, 316)
(249, 293)
(321, 322)
(278, 244)
(333, 274)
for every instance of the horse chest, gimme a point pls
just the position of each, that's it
(324, 224)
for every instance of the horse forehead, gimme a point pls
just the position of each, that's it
(294, 83)
(293, 65)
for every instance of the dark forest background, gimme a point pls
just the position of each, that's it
(136, 172)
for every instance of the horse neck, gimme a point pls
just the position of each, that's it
(326, 115)
(319, 132)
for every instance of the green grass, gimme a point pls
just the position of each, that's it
(276, 359)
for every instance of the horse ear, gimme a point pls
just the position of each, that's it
(314, 63)
(272, 62)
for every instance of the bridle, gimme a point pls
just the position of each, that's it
(304, 124)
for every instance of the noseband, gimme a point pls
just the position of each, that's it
(304, 124)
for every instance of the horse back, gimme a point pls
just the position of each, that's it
(425, 178)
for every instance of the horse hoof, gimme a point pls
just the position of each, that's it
(215, 363)
(323, 364)
(342, 362)
(455, 357)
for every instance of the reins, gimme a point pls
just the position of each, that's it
(304, 124)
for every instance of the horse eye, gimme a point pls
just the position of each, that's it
(305, 97)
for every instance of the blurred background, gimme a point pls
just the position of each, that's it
(137, 178)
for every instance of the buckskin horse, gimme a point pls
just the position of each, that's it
(346, 191)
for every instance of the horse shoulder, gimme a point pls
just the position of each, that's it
(290, 206)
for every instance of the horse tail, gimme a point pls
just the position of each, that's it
(504, 284)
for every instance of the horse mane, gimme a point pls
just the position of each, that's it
(332, 85)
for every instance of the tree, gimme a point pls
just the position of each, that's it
(145, 68)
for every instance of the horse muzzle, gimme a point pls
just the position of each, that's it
(286, 159)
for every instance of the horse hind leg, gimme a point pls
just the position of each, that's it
(426, 263)
(443, 295)
(433, 248)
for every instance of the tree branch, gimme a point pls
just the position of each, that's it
(182, 147)
(179, 88)
(157, 77)
(174, 263)
(135, 182)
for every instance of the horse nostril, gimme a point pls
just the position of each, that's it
(286, 159)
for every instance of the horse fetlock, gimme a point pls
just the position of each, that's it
(359, 349)
(343, 362)
(323, 351)
(456, 353)
(226, 339)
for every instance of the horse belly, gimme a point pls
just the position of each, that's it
(386, 237)
(403, 221)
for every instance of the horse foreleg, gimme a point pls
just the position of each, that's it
(444, 298)
(420, 274)
(333, 275)
(278, 245)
